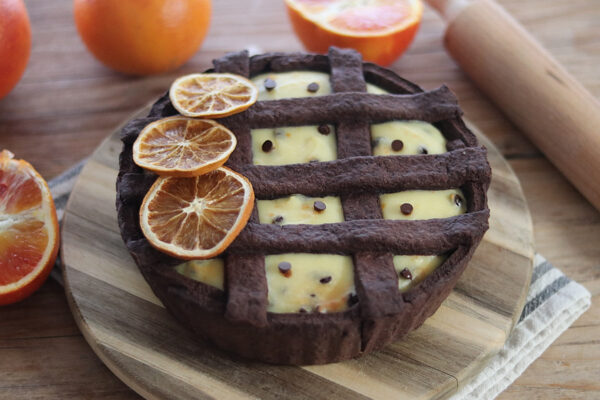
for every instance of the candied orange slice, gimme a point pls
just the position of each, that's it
(212, 95)
(28, 229)
(196, 218)
(180, 146)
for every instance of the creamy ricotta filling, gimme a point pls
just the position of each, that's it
(291, 84)
(293, 145)
(211, 272)
(301, 282)
(406, 138)
(300, 209)
(422, 204)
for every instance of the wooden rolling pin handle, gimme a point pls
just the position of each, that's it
(538, 95)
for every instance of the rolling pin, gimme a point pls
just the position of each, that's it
(538, 95)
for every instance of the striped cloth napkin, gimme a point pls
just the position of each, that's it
(554, 302)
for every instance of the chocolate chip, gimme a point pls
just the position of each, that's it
(406, 208)
(313, 295)
(352, 299)
(458, 200)
(324, 129)
(423, 150)
(267, 146)
(312, 87)
(325, 280)
(302, 310)
(397, 145)
(319, 206)
(405, 273)
(278, 219)
(285, 268)
(270, 84)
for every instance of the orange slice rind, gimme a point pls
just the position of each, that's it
(196, 218)
(212, 95)
(28, 229)
(184, 147)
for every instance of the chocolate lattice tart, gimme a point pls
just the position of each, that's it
(236, 318)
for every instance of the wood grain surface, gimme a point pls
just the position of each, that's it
(67, 103)
(128, 328)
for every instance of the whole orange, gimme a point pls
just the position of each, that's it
(142, 37)
(15, 43)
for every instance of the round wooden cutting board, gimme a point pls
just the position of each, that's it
(131, 331)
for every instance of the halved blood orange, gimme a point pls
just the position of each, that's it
(28, 229)
(380, 29)
(212, 95)
(196, 218)
(180, 146)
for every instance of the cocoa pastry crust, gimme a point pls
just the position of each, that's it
(236, 319)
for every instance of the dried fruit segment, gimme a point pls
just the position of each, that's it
(179, 146)
(28, 229)
(212, 95)
(196, 218)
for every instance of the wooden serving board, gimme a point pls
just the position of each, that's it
(134, 335)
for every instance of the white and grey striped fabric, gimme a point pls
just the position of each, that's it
(61, 187)
(554, 302)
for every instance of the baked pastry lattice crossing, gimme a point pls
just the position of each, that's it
(237, 319)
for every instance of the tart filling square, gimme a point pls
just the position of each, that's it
(284, 85)
(293, 145)
(210, 272)
(304, 282)
(300, 209)
(406, 138)
(412, 270)
(423, 204)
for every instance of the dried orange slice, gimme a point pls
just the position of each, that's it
(180, 146)
(196, 218)
(28, 229)
(212, 95)
(380, 29)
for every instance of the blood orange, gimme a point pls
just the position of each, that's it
(380, 29)
(28, 229)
